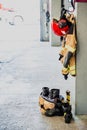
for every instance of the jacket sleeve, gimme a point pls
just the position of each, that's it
(67, 59)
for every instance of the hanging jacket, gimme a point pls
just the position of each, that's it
(68, 51)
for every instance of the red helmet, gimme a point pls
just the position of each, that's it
(60, 27)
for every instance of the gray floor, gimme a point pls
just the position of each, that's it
(22, 75)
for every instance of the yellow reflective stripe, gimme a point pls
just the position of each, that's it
(64, 114)
(72, 67)
(65, 70)
(68, 98)
(73, 72)
(70, 48)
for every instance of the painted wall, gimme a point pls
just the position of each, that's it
(81, 78)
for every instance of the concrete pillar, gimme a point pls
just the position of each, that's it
(81, 78)
(55, 13)
(44, 20)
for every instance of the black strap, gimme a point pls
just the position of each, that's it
(63, 9)
(73, 4)
(62, 3)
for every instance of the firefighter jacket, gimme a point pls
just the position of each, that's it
(68, 51)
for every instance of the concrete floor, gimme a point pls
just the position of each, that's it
(22, 76)
(27, 65)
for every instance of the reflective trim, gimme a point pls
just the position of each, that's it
(72, 67)
(68, 98)
(70, 48)
(64, 114)
(72, 70)
(65, 70)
